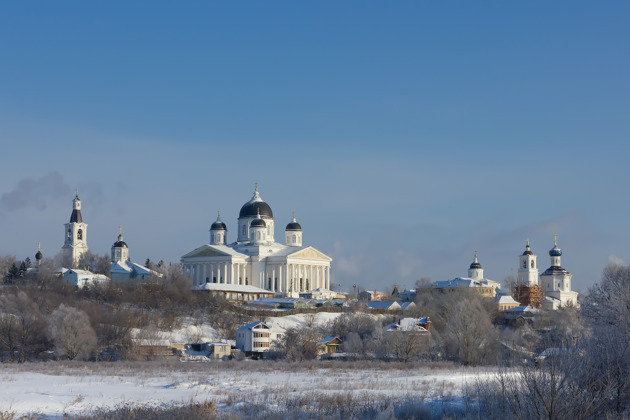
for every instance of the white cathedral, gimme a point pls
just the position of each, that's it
(255, 258)
(555, 280)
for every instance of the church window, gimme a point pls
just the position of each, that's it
(257, 235)
(244, 229)
(294, 239)
(532, 263)
(80, 234)
(69, 233)
(524, 264)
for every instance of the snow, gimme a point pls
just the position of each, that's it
(53, 389)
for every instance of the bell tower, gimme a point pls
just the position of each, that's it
(75, 241)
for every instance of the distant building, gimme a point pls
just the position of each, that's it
(505, 302)
(475, 281)
(255, 258)
(75, 236)
(84, 278)
(417, 325)
(528, 291)
(121, 268)
(328, 346)
(371, 295)
(256, 338)
(557, 282)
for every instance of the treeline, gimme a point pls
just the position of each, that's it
(41, 316)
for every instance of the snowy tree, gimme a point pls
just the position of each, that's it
(70, 330)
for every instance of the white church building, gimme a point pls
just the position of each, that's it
(75, 242)
(255, 258)
(557, 282)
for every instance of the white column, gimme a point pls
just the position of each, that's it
(327, 271)
(232, 273)
(225, 272)
(274, 286)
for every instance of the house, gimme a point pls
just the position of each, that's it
(235, 292)
(218, 350)
(416, 325)
(84, 278)
(328, 346)
(319, 293)
(256, 338)
(371, 295)
(385, 305)
(505, 302)
(407, 295)
(520, 314)
(405, 305)
(285, 303)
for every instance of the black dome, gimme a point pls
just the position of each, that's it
(218, 225)
(251, 209)
(39, 255)
(258, 223)
(256, 206)
(475, 265)
(294, 226)
(120, 244)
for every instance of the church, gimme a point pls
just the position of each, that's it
(255, 259)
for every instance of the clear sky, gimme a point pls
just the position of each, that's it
(405, 135)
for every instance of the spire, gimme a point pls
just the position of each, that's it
(555, 239)
(256, 187)
(120, 237)
(293, 216)
(76, 195)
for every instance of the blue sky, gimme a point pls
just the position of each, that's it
(405, 135)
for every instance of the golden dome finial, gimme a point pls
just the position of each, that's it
(39, 246)
(120, 229)
(256, 187)
(555, 239)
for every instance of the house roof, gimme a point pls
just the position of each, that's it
(384, 304)
(238, 288)
(408, 324)
(329, 339)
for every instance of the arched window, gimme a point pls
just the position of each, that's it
(258, 236)
(524, 264)
(294, 239)
(69, 233)
(80, 234)
(532, 263)
(244, 229)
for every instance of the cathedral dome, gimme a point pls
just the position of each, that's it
(255, 206)
(475, 265)
(218, 225)
(258, 223)
(294, 225)
(555, 252)
(39, 255)
(120, 243)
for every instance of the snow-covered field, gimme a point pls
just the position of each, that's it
(55, 389)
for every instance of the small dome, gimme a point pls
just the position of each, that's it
(218, 225)
(527, 250)
(120, 243)
(258, 223)
(39, 255)
(555, 252)
(255, 206)
(294, 225)
(475, 264)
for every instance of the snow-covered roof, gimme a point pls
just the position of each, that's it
(222, 287)
(384, 304)
(463, 282)
(408, 324)
(252, 325)
(406, 305)
(506, 300)
(328, 340)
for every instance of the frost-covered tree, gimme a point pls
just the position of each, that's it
(70, 330)
(470, 336)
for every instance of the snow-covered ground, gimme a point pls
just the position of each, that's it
(55, 389)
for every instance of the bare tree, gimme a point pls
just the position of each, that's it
(470, 336)
(72, 333)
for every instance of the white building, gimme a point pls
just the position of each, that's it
(257, 337)
(121, 268)
(557, 282)
(527, 270)
(475, 280)
(84, 278)
(255, 258)
(75, 242)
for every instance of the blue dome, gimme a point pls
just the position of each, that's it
(555, 252)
